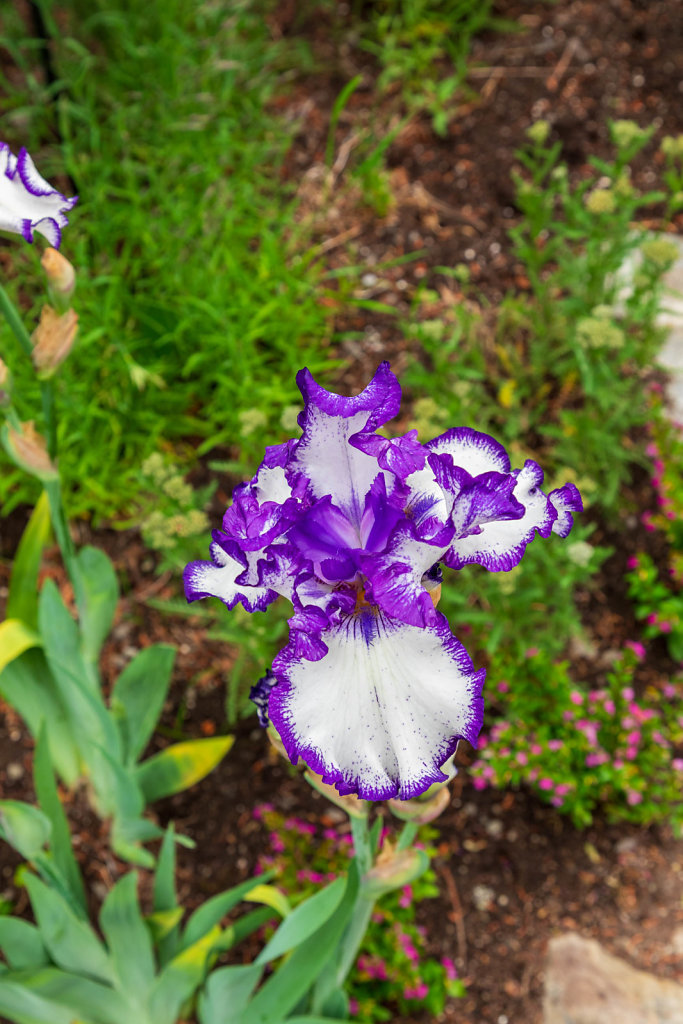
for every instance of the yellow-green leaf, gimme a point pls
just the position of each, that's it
(22, 602)
(15, 638)
(181, 765)
(271, 897)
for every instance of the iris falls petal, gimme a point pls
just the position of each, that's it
(383, 710)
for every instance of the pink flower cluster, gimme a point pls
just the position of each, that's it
(599, 736)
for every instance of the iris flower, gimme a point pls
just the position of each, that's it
(28, 203)
(372, 690)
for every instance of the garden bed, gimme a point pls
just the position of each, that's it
(511, 871)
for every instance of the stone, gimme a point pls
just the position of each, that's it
(586, 985)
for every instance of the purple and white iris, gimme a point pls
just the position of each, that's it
(372, 690)
(28, 203)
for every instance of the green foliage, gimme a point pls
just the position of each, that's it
(172, 514)
(563, 364)
(51, 677)
(391, 960)
(196, 298)
(145, 968)
(423, 47)
(658, 603)
(586, 749)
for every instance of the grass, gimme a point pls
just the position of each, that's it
(197, 299)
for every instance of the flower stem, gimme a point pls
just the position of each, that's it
(408, 833)
(15, 322)
(46, 389)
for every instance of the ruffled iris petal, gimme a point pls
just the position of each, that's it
(382, 710)
(565, 500)
(500, 544)
(28, 203)
(324, 456)
(472, 450)
(218, 578)
(400, 455)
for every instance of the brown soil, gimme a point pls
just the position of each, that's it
(576, 63)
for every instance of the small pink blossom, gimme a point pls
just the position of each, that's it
(651, 449)
(628, 693)
(531, 652)
(677, 764)
(631, 753)
(633, 798)
(546, 784)
(632, 562)
(595, 760)
(618, 763)
(637, 648)
(503, 687)
(609, 707)
(563, 788)
(576, 697)
(479, 783)
(555, 745)
(522, 758)
(536, 749)
(449, 967)
(669, 690)
(406, 897)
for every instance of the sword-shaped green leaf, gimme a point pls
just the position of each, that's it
(22, 602)
(181, 765)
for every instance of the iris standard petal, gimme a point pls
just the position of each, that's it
(472, 450)
(383, 709)
(28, 203)
(324, 456)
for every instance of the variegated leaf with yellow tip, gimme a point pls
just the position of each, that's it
(180, 766)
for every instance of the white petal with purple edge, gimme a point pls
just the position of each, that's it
(565, 500)
(218, 579)
(332, 465)
(28, 203)
(471, 450)
(501, 543)
(383, 709)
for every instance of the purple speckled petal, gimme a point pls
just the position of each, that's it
(28, 203)
(500, 544)
(382, 710)
(471, 450)
(399, 455)
(324, 456)
(565, 500)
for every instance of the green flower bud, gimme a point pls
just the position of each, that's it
(601, 200)
(538, 132)
(597, 332)
(661, 252)
(624, 133)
